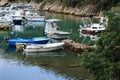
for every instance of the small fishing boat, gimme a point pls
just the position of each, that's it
(51, 30)
(34, 40)
(43, 47)
(91, 28)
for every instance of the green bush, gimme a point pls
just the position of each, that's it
(104, 61)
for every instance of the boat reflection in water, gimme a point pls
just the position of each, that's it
(86, 36)
(35, 24)
(47, 53)
(4, 32)
(17, 65)
(18, 28)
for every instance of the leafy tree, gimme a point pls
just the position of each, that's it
(104, 61)
(72, 3)
(105, 4)
(12, 0)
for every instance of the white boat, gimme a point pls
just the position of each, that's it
(51, 30)
(4, 19)
(43, 47)
(33, 16)
(16, 17)
(3, 10)
(14, 14)
(90, 27)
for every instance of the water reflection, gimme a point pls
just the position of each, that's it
(58, 65)
(18, 28)
(3, 32)
(10, 49)
(54, 66)
(50, 53)
(3, 35)
(27, 30)
(88, 36)
(16, 70)
(67, 65)
(35, 24)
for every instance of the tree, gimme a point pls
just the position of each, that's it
(104, 61)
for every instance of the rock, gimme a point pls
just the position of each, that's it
(41, 5)
(56, 7)
(77, 11)
(3, 2)
(47, 6)
(68, 10)
(88, 10)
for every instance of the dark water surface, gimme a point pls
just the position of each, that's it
(56, 65)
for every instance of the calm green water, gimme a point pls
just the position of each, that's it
(57, 65)
(72, 22)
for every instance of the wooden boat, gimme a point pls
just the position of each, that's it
(43, 47)
(34, 40)
(51, 30)
(90, 27)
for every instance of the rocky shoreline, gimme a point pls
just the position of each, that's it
(57, 7)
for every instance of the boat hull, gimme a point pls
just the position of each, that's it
(58, 36)
(90, 31)
(34, 20)
(35, 40)
(43, 48)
